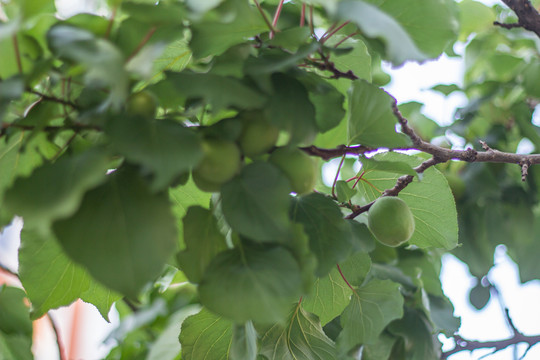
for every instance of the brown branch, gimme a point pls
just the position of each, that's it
(17, 53)
(327, 154)
(528, 16)
(441, 154)
(497, 345)
(143, 42)
(53, 99)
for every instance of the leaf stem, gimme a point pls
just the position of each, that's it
(303, 15)
(263, 14)
(344, 278)
(329, 35)
(141, 44)
(276, 18)
(17, 53)
(111, 22)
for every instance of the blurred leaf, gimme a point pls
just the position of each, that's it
(104, 62)
(165, 147)
(344, 191)
(205, 336)
(50, 278)
(15, 346)
(218, 91)
(301, 337)
(474, 17)
(203, 241)
(211, 37)
(101, 297)
(256, 202)
(134, 248)
(14, 317)
(251, 283)
(376, 23)
(66, 180)
(290, 108)
(420, 341)
(329, 234)
(244, 342)
(372, 307)
(371, 121)
(445, 89)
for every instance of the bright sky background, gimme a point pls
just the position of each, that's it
(410, 82)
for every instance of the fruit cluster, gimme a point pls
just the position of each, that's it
(223, 158)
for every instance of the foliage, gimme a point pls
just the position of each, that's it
(152, 209)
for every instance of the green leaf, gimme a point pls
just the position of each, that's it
(14, 317)
(104, 62)
(167, 346)
(211, 37)
(67, 181)
(445, 89)
(474, 17)
(155, 13)
(376, 23)
(10, 89)
(381, 349)
(19, 155)
(203, 241)
(175, 57)
(344, 191)
(30, 8)
(218, 91)
(329, 234)
(290, 108)
(372, 307)
(328, 298)
(50, 278)
(165, 147)
(358, 60)
(430, 200)
(244, 342)
(395, 167)
(101, 297)
(250, 283)
(301, 337)
(356, 267)
(328, 102)
(256, 203)
(205, 336)
(420, 340)
(274, 60)
(479, 296)
(15, 346)
(371, 121)
(181, 198)
(133, 249)
(433, 25)
(29, 53)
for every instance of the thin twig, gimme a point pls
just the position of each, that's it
(276, 18)
(17, 53)
(303, 15)
(337, 176)
(265, 18)
(143, 42)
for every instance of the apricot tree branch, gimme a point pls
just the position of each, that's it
(528, 17)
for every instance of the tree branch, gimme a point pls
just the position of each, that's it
(529, 18)
(498, 345)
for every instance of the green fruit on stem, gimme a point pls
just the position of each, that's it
(220, 162)
(258, 136)
(143, 103)
(391, 221)
(297, 166)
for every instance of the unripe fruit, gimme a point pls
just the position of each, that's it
(220, 162)
(143, 103)
(258, 136)
(391, 221)
(297, 166)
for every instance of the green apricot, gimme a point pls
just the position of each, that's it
(297, 166)
(205, 185)
(258, 136)
(220, 162)
(391, 221)
(143, 103)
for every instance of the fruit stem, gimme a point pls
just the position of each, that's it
(344, 278)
